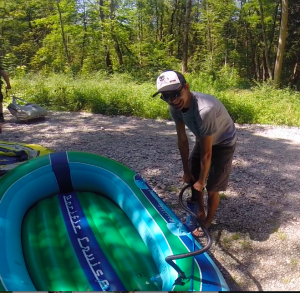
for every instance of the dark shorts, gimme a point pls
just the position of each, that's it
(220, 167)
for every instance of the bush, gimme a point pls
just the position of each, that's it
(122, 95)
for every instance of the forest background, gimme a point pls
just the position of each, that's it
(104, 56)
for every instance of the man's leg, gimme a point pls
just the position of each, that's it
(213, 200)
(194, 164)
(199, 195)
(217, 180)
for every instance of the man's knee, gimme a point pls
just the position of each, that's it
(212, 193)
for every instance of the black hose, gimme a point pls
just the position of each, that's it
(169, 259)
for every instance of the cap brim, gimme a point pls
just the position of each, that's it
(169, 88)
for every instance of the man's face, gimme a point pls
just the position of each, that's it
(177, 99)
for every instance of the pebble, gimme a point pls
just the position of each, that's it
(251, 233)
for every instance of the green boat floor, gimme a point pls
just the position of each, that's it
(52, 262)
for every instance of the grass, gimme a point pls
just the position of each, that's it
(236, 236)
(120, 94)
(172, 189)
(246, 244)
(226, 241)
(238, 240)
(281, 235)
(287, 280)
(294, 261)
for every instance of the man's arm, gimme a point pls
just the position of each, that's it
(205, 161)
(6, 78)
(183, 145)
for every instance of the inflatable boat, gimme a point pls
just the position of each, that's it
(77, 221)
(26, 112)
(13, 154)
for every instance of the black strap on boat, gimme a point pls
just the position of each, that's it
(169, 259)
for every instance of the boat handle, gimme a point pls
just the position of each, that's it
(169, 259)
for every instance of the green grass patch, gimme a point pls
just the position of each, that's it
(172, 189)
(120, 94)
(236, 236)
(281, 235)
(294, 261)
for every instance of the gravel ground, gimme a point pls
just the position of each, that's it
(256, 228)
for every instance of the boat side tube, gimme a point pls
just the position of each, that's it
(37, 179)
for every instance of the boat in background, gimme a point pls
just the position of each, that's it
(26, 111)
(13, 154)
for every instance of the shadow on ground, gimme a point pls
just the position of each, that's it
(259, 198)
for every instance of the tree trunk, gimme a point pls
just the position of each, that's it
(161, 27)
(272, 34)
(107, 57)
(171, 32)
(108, 60)
(114, 35)
(184, 67)
(84, 36)
(295, 76)
(101, 13)
(265, 39)
(157, 22)
(63, 34)
(281, 42)
(209, 35)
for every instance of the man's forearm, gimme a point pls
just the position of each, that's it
(205, 165)
(184, 152)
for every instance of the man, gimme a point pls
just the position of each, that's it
(6, 78)
(209, 164)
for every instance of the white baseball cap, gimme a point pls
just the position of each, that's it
(169, 81)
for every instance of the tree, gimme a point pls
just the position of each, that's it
(281, 42)
(63, 35)
(184, 67)
(265, 39)
(144, 37)
(291, 69)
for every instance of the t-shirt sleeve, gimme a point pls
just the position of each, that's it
(208, 123)
(176, 115)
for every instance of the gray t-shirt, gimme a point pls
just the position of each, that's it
(207, 116)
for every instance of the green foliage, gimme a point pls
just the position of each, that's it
(121, 94)
(263, 104)
(142, 37)
(100, 93)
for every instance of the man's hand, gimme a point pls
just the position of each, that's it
(199, 185)
(187, 178)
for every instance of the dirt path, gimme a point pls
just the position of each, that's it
(256, 228)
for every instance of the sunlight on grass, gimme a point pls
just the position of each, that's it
(172, 189)
(294, 262)
(286, 280)
(281, 235)
(237, 241)
(236, 236)
(120, 94)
